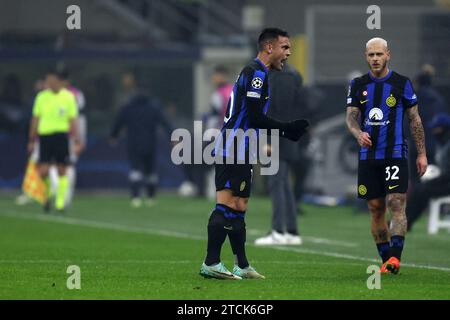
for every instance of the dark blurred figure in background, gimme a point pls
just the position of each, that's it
(141, 116)
(12, 110)
(285, 104)
(435, 184)
(432, 103)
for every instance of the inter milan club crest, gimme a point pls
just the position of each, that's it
(391, 101)
(362, 190)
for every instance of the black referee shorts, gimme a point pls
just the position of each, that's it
(54, 148)
(236, 177)
(377, 178)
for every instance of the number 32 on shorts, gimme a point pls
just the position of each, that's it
(392, 173)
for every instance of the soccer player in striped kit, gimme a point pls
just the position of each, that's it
(246, 110)
(376, 106)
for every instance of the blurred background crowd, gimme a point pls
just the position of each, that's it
(186, 54)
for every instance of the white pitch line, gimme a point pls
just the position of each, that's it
(102, 225)
(111, 226)
(352, 257)
(330, 242)
(50, 261)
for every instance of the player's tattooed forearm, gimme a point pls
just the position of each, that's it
(417, 131)
(352, 120)
(418, 135)
(397, 205)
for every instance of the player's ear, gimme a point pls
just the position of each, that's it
(388, 54)
(269, 47)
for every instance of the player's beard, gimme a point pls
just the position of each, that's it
(381, 69)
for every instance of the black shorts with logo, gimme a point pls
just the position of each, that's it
(236, 177)
(54, 148)
(377, 178)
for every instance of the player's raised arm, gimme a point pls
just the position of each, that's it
(418, 134)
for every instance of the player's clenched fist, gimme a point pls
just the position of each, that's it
(364, 139)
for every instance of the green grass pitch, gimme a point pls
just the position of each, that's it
(156, 253)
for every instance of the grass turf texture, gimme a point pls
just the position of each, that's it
(156, 253)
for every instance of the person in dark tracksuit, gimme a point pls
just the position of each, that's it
(285, 104)
(141, 116)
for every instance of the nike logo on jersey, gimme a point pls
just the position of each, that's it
(363, 101)
(228, 228)
(393, 187)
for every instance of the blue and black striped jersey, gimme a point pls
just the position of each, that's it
(250, 95)
(382, 102)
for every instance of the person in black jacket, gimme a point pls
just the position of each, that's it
(286, 103)
(439, 185)
(141, 115)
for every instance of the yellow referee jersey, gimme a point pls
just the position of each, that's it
(54, 110)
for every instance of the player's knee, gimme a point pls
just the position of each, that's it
(396, 203)
(377, 209)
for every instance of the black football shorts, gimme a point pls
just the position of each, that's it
(236, 177)
(54, 148)
(377, 178)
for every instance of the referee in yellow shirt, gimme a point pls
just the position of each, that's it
(55, 118)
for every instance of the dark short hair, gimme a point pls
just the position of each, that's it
(270, 34)
(60, 74)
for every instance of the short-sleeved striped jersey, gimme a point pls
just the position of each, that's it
(251, 86)
(382, 102)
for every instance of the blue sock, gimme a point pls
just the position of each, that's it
(397, 243)
(384, 251)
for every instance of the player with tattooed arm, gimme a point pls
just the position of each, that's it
(376, 106)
